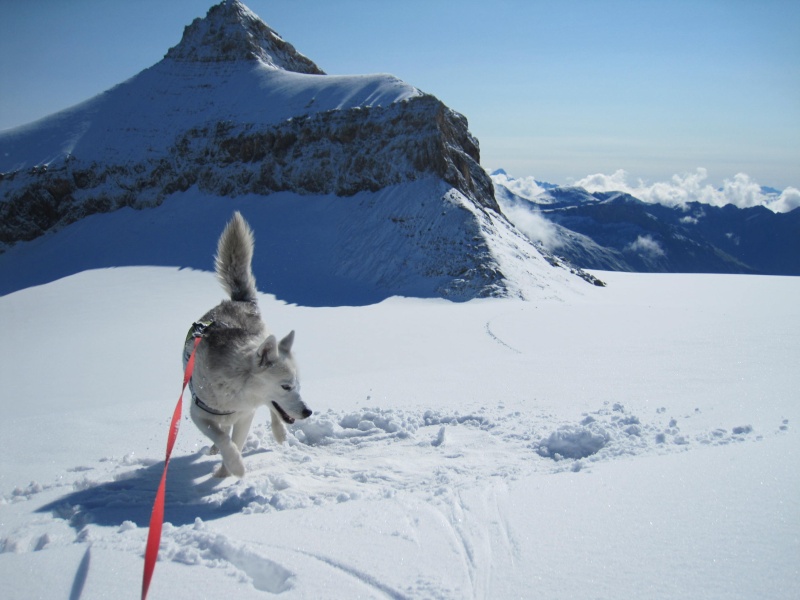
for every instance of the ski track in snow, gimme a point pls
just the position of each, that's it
(499, 340)
(334, 457)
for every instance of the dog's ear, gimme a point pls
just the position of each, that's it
(286, 344)
(267, 353)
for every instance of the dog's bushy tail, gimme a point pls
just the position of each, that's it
(234, 258)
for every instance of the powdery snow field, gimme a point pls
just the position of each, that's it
(633, 441)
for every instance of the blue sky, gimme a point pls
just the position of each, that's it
(555, 90)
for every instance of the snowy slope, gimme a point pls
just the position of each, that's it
(142, 117)
(636, 441)
(553, 238)
(229, 67)
(420, 239)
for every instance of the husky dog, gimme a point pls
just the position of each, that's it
(239, 365)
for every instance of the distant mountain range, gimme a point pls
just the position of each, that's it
(615, 231)
(358, 187)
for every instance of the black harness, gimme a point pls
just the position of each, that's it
(203, 406)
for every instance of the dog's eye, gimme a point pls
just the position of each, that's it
(286, 387)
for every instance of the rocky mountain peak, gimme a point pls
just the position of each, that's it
(232, 32)
(231, 111)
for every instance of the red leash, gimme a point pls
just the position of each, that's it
(157, 516)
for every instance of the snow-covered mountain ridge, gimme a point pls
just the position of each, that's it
(232, 109)
(365, 185)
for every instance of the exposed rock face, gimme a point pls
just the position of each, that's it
(343, 153)
(334, 152)
(339, 151)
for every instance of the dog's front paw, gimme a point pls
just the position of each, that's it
(278, 430)
(214, 450)
(234, 465)
(231, 457)
(222, 472)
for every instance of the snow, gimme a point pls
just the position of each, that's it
(142, 116)
(312, 249)
(637, 440)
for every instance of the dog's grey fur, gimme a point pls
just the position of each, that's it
(239, 365)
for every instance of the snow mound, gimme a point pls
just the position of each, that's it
(615, 431)
(356, 426)
(376, 423)
(574, 441)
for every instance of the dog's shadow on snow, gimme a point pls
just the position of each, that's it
(130, 496)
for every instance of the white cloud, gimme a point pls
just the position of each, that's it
(647, 246)
(525, 187)
(788, 200)
(741, 191)
(526, 217)
(536, 227)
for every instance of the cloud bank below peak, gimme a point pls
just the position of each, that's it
(741, 191)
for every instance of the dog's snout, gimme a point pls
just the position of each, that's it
(306, 413)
